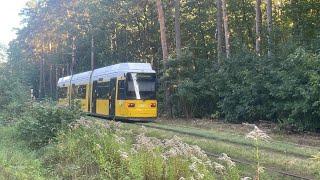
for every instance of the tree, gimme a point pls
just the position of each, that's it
(269, 24)
(226, 29)
(177, 27)
(219, 29)
(2, 53)
(163, 37)
(161, 20)
(258, 26)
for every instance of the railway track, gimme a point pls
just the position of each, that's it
(241, 161)
(185, 132)
(276, 141)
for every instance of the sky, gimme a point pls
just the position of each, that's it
(9, 19)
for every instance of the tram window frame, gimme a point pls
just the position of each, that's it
(130, 94)
(62, 92)
(102, 90)
(81, 92)
(121, 90)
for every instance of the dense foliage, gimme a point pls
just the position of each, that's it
(248, 88)
(277, 82)
(13, 94)
(102, 150)
(42, 122)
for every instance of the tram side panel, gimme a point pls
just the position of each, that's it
(80, 94)
(63, 96)
(100, 100)
(133, 108)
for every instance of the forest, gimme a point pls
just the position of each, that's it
(236, 60)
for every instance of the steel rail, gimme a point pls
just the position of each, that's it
(245, 162)
(226, 140)
(276, 141)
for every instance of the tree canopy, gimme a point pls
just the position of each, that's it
(219, 71)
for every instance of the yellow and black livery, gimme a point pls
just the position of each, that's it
(121, 91)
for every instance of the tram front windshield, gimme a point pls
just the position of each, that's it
(141, 86)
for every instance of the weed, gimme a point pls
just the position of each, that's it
(257, 135)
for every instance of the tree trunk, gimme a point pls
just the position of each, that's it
(226, 29)
(92, 53)
(41, 78)
(219, 30)
(56, 81)
(162, 32)
(269, 22)
(51, 81)
(177, 27)
(73, 54)
(258, 26)
(164, 53)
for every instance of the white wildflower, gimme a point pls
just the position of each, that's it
(219, 168)
(208, 163)
(146, 143)
(246, 178)
(193, 167)
(257, 134)
(200, 175)
(119, 140)
(123, 155)
(260, 169)
(224, 157)
(143, 128)
(98, 146)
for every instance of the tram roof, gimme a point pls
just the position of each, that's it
(120, 69)
(108, 72)
(64, 80)
(81, 78)
(125, 67)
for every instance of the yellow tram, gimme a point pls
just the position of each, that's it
(121, 91)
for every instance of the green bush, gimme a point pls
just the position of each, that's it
(87, 153)
(102, 150)
(244, 83)
(13, 95)
(16, 161)
(41, 123)
(189, 79)
(247, 87)
(284, 90)
(297, 94)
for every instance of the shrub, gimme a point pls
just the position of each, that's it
(243, 83)
(189, 79)
(101, 150)
(41, 123)
(16, 161)
(297, 94)
(13, 95)
(169, 159)
(89, 150)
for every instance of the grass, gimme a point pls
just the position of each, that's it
(280, 161)
(237, 138)
(109, 151)
(302, 140)
(100, 150)
(16, 161)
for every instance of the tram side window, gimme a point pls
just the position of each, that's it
(81, 94)
(102, 90)
(62, 92)
(121, 90)
(74, 91)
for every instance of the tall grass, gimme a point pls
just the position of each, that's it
(93, 149)
(16, 160)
